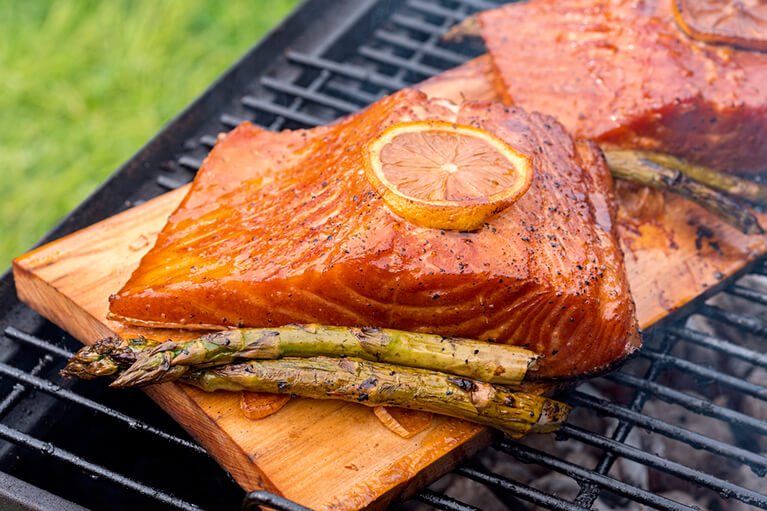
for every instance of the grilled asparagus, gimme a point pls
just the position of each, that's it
(733, 185)
(631, 166)
(106, 357)
(349, 379)
(483, 361)
(375, 384)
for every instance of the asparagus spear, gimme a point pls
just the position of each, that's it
(629, 165)
(495, 363)
(375, 384)
(734, 185)
(106, 357)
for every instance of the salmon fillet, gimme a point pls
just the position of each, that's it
(622, 73)
(283, 228)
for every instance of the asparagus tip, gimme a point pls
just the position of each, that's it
(157, 373)
(92, 361)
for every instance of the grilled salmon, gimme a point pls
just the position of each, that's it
(283, 228)
(624, 74)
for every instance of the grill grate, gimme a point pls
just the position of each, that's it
(687, 413)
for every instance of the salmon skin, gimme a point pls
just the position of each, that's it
(282, 228)
(624, 74)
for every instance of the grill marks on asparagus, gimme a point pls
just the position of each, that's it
(377, 384)
(462, 357)
(728, 183)
(106, 357)
(650, 169)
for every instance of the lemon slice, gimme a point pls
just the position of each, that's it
(735, 22)
(445, 176)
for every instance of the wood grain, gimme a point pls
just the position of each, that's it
(322, 454)
(330, 454)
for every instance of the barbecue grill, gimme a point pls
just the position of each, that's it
(677, 427)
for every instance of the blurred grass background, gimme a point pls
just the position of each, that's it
(86, 83)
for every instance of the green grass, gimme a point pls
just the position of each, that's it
(85, 83)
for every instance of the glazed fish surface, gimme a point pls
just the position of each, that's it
(624, 74)
(283, 228)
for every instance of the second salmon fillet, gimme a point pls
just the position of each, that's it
(624, 74)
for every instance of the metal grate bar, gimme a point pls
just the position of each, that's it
(519, 490)
(348, 70)
(700, 371)
(255, 499)
(402, 63)
(353, 92)
(417, 25)
(342, 106)
(736, 319)
(342, 26)
(297, 103)
(435, 9)
(208, 140)
(756, 461)
(288, 113)
(430, 41)
(48, 387)
(170, 183)
(748, 294)
(52, 389)
(231, 121)
(18, 389)
(722, 346)
(479, 5)
(30, 339)
(19, 438)
(414, 29)
(589, 493)
(724, 488)
(694, 404)
(432, 51)
(190, 163)
(442, 501)
(530, 455)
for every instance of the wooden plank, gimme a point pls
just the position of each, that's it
(323, 454)
(330, 454)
